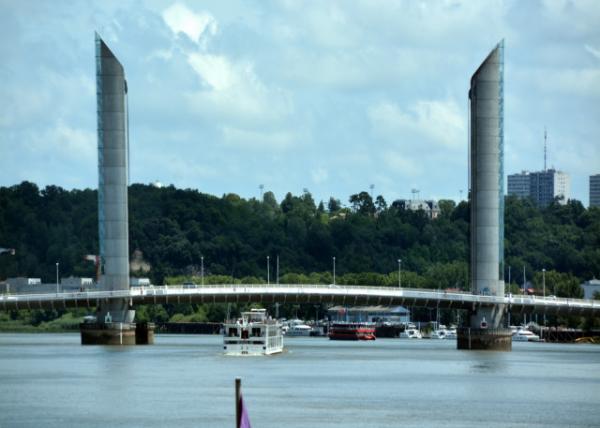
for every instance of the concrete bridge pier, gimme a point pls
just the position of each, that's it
(115, 325)
(485, 331)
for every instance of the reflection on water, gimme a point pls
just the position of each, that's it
(487, 362)
(185, 381)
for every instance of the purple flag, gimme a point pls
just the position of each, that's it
(244, 419)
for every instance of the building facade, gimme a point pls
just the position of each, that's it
(590, 288)
(429, 207)
(542, 187)
(396, 315)
(519, 185)
(595, 190)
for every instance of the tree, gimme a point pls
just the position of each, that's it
(362, 203)
(380, 204)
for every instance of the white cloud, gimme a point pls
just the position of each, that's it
(319, 175)
(252, 139)
(583, 81)
(595, 52)
(218, 72)
(63, 141)
(438, 122)
(233, 90)
(181, 19)
(403, 165)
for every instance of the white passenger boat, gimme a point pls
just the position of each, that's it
(298, 328)
(252, 334)
(524, 335)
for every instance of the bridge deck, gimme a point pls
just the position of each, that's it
(295, 293)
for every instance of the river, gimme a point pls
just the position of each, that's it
(51, 380)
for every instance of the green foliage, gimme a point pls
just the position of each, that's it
(174, 228)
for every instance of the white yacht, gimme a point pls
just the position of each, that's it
(252, 334)
(451, 333)
(439, 333)
(411, 332)
(523, 335)
(298, 328)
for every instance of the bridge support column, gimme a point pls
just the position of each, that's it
(117, 333)
(484, 339)
(114, 326)
(485, 332)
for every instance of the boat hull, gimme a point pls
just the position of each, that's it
(351, 332)
(241, 349)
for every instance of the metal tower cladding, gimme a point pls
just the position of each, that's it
(486, 178)
(113, 151)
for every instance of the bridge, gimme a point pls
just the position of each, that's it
(303, 293)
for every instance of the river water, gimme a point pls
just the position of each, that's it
(51, 380)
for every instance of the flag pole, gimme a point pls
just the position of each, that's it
(238, 385)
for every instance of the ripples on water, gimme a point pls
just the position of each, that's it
(184, 381)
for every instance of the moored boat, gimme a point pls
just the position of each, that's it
(252, 334)
(451, 333)
(439, 333)
(524, 335)
(411, 333)
(298, 328)
(352, 331)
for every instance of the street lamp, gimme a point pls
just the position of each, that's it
(544, 281)
(544, 288)
(202, 270)
(268, 277)
(333, 270)
(56, 277)
(399, 273)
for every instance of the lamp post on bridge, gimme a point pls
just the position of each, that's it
(399, 273)
(333, 270)
(202, 270)
(268, 270)
(57, 277)
(544, 288)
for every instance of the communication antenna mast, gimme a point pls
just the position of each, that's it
(545, 148)
(261, 187)
(371, 186)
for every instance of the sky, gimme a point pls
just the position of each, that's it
(328, 96)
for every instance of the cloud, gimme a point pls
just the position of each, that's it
(581, 82)
(595, 52)
(63, 141)
(252, 139)
(218, 72)
(181, 20)
(233, 90)
(319, 175)
(406, 166)
(439, 122)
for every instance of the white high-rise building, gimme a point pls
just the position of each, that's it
(543, 187)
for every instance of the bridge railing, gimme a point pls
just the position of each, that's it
(405, 292)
